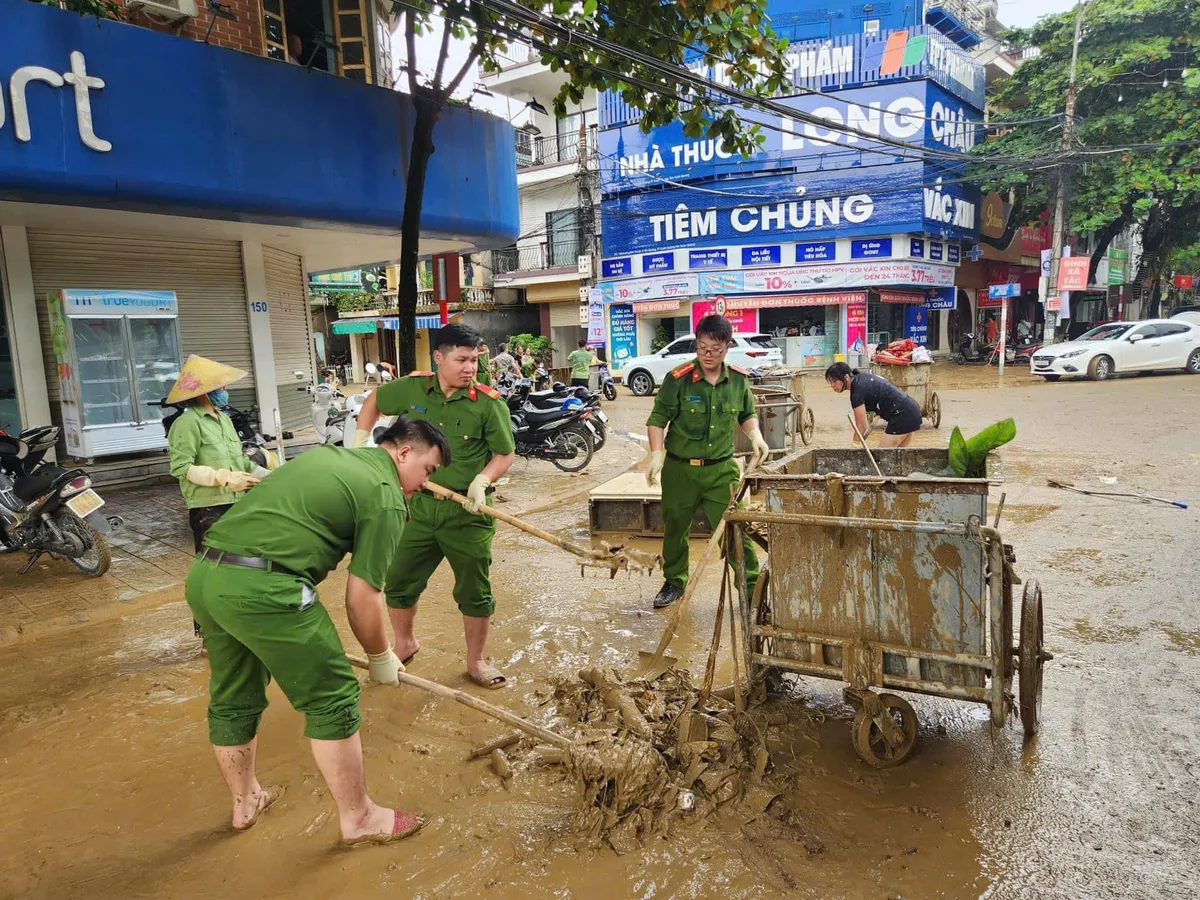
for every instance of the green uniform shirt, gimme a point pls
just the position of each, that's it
(580, 360)
(700, 417)
(315, 509)
(475, 421)
(201, 438)
(483, 372)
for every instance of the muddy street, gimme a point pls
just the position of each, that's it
(110, 789)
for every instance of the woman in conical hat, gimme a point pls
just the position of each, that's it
(206, 452)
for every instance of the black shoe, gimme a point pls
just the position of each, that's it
(667, 595)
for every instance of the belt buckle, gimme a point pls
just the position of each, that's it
(695, 462)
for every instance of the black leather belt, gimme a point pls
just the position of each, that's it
(698, 462)
(221, 558)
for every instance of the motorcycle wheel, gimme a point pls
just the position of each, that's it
(576, 439)
(610, 391)
(97, 559)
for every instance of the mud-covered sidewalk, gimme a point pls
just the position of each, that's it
(110, 789)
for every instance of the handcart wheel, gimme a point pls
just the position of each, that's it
(869, 742)
(808, 424)
(1032, 657)
(935, 409)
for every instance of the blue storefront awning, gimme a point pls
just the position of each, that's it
(182, 128)
(390, 323)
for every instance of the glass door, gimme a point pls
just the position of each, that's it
(103, 372)
(154, 349)
(562, 233)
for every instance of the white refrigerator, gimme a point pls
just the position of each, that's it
(117, 353)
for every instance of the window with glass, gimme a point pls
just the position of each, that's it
(562, 237)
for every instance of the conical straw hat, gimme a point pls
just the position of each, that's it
(199, 376)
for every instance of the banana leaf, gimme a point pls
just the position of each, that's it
(959, 460)
(976, 449)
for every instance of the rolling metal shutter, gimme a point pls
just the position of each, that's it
(564, 315)
(291, 335)
(206, 276)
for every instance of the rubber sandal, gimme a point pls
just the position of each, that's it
(403, 826)
(409, 658)
(489, 677)
(272, 794)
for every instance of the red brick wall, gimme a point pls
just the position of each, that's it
(245, 34)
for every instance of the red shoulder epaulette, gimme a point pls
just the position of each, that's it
(419, 374)
(739, 370)
(680, 371)
(489, 390)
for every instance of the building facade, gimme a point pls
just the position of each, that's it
(162, 196)
(830, 241)
(557, 174)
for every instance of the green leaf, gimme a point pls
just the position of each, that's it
(959, 460)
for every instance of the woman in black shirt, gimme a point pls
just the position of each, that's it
(870, 393)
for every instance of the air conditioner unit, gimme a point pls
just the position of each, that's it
(165, 11)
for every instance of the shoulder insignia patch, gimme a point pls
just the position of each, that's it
(739, 370)
(419, 374)
(680, 371)
(489, 390)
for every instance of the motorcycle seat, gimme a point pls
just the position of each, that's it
(539, 417)
(30, 487)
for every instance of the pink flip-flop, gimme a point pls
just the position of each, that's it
(271, 794)
(405, 825)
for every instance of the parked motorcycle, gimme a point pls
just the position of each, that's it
(1024, 352)
(518, 395)
(607, 385)
(968, 354)
(335, 416)
(45, 508)
(559, 436)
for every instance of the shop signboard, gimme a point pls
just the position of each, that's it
(787, 301)
(762, 256)
(818, 205)
(658, 262)
(807, 278)
(622, 333)
(984, 300)
(744, 321)
(816, 251)
(916, 324)
(1117, 261)
(1073, 273)
(871, 248)
(595, 337)
(661, 287)
(916, 112)
(913, 297)
(1004, 291)
(856, 326)
(616, 268)
(655, 306)
(941, 298)
(708, 259)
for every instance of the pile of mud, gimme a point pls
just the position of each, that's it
(652, 754)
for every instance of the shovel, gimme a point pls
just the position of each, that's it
(612, 558)
(654, 664)
(475, 703)
(1145, 498)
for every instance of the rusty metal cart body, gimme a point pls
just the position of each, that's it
(917, 382)
(894, 583)
(783, 412)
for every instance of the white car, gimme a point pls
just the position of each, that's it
(643, 374)
(1122, 347)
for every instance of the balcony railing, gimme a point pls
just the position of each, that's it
(515, 55)
(554, 149)
(531, 258)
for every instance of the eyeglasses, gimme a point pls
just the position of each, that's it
(702, 350)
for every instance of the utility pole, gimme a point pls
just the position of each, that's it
(1060, 203)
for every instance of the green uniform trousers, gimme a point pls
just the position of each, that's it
(443, 529)
(684, 490)
(261, 624)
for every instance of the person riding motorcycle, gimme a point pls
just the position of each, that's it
(205, 450)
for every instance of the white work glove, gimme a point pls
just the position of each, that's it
(260, 473)
(384, 667)
(360, 438)
(477, 493)
(240, 481)
(758, 446)
(206, 476)
(657, 458)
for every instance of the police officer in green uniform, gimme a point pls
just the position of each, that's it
(697, 407)
(253, 591)
(478, 428)
(483, 366)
